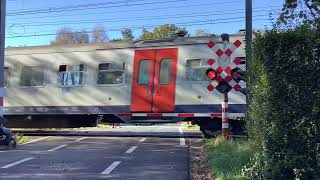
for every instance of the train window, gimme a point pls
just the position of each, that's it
(111, 73)
(196, 70)
(165, 71)
(144, 72)
(7, 73)
(71, 75)
(32, 76)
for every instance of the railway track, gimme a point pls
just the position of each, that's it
(187, 134)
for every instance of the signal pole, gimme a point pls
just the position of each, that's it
(248, 31)
(2, 44)
(248, 44)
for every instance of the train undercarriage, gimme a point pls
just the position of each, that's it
(210, 127)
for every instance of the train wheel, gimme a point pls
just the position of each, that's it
(208, 133)
(210, 128)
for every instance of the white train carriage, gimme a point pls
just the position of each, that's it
(123, 81)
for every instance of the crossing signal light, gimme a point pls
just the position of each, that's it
(237, 74)
(211, 74)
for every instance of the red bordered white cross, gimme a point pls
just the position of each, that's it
(224, 73)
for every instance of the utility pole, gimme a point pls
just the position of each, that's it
(2, 44)
(248, 43)
(248, 32)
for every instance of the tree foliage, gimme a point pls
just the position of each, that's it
(163, 31)
(201, 32)
(99, 35)
(298, 12)
(127, 34)
(285, 107)
(67, 36)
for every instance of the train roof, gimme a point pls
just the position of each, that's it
(119, 45)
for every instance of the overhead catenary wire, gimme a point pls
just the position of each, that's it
(73, 6)
(89, 21)
(185, 24)
(50, 10)
(139, 10)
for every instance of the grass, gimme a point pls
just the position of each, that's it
(104, 125)
(227, 158)
(190, 127)
(20, 138)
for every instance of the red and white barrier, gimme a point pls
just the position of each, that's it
(233, 115)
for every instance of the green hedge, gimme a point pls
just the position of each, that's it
(284, 121)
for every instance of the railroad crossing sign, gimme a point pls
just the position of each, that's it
(221, 70)
(224, 56)
(223, 73)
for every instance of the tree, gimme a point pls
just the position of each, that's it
(63, 37)
(67, 36)
(99, 35)
(296, 12)
(127, 34)
(201, 32)
(163, 31)
(80, 37)
(146, 34)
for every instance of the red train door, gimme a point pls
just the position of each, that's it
(154, 80)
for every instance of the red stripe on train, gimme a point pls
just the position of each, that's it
(216, 114)
(186, 115)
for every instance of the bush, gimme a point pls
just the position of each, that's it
(284, 121)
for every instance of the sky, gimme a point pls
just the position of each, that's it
(35, 22)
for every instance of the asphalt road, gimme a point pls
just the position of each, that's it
(162, 130)
(55, 158)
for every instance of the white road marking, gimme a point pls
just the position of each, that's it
(81, 139)
(131, 149)
(142, 140)
(16, 163)
(182, 140)
(56, 148)
(111, 167)
(35, 140)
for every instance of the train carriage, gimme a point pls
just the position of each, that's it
(142, 81)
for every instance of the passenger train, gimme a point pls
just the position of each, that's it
(141, 81)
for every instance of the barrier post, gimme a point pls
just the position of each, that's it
(225, 121)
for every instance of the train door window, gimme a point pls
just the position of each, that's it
(195, 70)
(7, 73)
(165, 71)
(71, 75)
(144, 72)
(111, 73)
(32, 76)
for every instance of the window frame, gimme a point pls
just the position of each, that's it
(170, 76)
(124, 70)
(72, 86)
(192, 81)
(44, 74)
(139, 72)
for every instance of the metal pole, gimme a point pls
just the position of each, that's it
(248, 47)
(2, 44)
(225, 120)
(248, 32)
